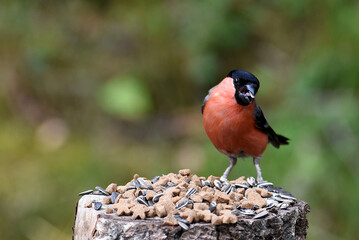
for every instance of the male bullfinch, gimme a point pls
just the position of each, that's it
(235, 124)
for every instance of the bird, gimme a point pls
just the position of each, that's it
(234, 122)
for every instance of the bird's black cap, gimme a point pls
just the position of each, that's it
(243, 75)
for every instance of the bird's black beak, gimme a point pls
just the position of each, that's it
(250, 92)
(245, 94)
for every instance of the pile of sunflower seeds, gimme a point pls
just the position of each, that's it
(181, 199)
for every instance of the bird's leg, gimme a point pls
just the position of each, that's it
(232, 162)
(259, 173)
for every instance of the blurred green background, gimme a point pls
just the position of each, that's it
(92, 92)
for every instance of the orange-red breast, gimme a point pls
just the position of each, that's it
(234, 122)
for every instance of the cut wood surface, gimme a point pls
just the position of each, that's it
(90, 224)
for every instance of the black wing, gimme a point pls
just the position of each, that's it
(206, 98)
(262, 124)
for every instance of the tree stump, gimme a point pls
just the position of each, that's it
(288, 224)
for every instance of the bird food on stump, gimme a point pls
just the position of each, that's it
(185, 206)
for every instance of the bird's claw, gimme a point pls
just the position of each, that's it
(260, 179)
(223, 179)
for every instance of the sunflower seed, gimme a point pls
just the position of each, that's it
(85, 192)
(230, 189)
(212, 206)
(103, 191)
(271, 203)
(155, 179)
(97, 193)
(288, 200)
(225, 187)
(97, 206)
(130, 188)
(270, 206)
(135, 183)
(217, 184)
(141, 182)
(114, 196)
(147, 187)
(170, 184)
(242, 185)
(287, 197)
(264, 184)
(252, 181)
(261, 214)
(142, 200)
(179, 219)
(190, 192)
(235, 212)
(279, 199)
(150, 202)
(247, 211)
(157, 197)
(278, 205)
(183, 225)
(182, 204)
(188, 181)
(206, 183)
(273, 189)
(143, 185)
(283, 205)
(256, 207)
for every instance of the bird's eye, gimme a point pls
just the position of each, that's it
(236, 80)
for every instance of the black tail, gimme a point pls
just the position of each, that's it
(275, 139)
(283, 140)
